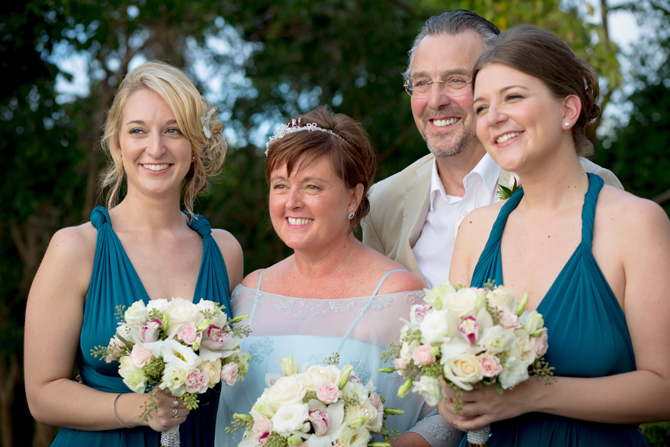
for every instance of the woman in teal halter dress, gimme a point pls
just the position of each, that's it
(144, 248)
(585, 253)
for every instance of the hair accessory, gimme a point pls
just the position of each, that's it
(292, 127)
(114, 410)
(351, 216)
(205, 122)
(566, 124)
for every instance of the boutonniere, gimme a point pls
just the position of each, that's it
(505, 191)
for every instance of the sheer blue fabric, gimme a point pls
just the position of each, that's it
(588, 337)
(311, 330)
(115, 282)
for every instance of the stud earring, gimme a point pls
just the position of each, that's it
(566, 124)
(351, 216)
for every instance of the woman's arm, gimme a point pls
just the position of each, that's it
(54, 316)
(640, 236)
(232, 255)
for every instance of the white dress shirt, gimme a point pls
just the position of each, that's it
(435, 246)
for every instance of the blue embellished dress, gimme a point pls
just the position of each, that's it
(588, 337)
(359, 329)
(114, 281)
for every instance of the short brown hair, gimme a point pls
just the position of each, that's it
(546, 57)
(352, 157)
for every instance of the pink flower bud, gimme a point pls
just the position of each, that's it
(423, 355)
(229, 373)
(509, 320)
(188, 333)
(196, 382)
(328, 393)
(491, 366)
(540, 344)
(400, 365)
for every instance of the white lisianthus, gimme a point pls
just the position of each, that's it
(407, 349)
(290, 418)
(531, 321)
(514, 372)
(287, 391)
(501, 298)
(430, 389)
(136, 313)
(464, 371)
(438, 326)
(462, 303)
(205, 305)
(288, 365)
(353, 389)
(353, 437)
(262, 409)
(522, 348)
(174, 378)
(212, 370)
(161, 305)
(317, 374)
(496, 339)
(183, 357)
(136, 381)
(436, 296)
(373, 418)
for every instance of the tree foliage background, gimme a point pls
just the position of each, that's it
(261, 62)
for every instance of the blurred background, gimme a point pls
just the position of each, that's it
(262, 62)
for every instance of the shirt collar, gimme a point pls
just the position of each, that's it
(487, 169)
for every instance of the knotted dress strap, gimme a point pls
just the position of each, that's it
(589, 209)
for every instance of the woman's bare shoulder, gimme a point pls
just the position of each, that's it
(74, 242)
(379, 265)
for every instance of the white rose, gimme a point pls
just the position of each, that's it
(287, 391)
(317, 374)
(430, 389)
(514, 372)
(438, 326)
(496, 339)
(521, 348)
(501, 298)
(289, 418)
(161, 305)
(127, 366)
(436, 296)
(173, 379)
(205, 305)
(136, 381)
(213, 371)
(373, 418)
(357, 437)
(183, 311)
(531, 321)
(180, 356)
(462, 303)
(136, 313)
(464, 371)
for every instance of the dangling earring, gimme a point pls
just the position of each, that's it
(351, 216)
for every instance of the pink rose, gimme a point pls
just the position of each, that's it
(320, 421)
(140, 356)
(540, 344)
(469, 329)
(196, 382)
(150, 331)
(328, 392)
(509, 320)
(115, 352)
(262, 426)
(400, 364)
(188, 333)
(490, 364)
(377, 402)
(215, 337)
(423, 355)
(229, 373)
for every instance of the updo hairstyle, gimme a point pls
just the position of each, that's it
(188, 106)
(352, 157)
(544, 56)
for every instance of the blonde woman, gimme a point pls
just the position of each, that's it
(143, 248)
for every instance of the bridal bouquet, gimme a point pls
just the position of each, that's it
(469, 337)
(179, 346)
(320, 407)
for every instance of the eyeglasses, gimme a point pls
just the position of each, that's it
(420, 87)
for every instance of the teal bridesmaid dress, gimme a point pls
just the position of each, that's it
(114, 281)
(588, 337)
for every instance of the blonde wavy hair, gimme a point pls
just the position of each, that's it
(188, 106)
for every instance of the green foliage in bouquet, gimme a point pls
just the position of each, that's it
(505, 192)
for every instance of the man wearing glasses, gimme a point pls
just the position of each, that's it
(415, 213)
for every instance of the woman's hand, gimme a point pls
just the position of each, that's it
(481, 408)
(171, 411)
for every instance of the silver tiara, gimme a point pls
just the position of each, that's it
(293, 127)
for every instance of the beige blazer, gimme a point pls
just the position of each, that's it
(399, 206)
